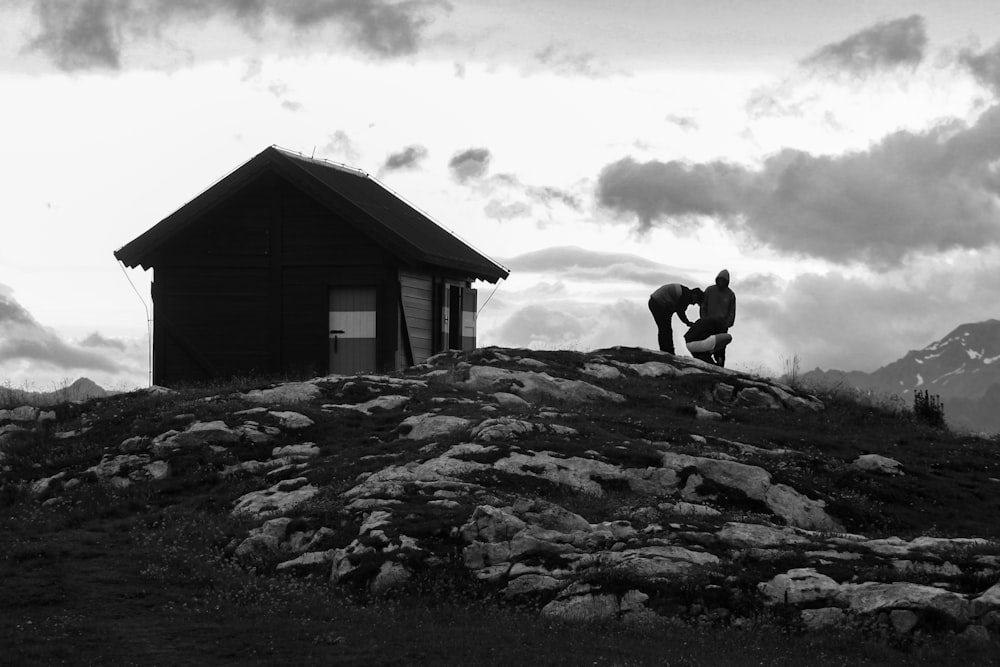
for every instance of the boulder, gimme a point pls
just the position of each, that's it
(877, 463)
(654, 369)
(753, 397)
(196, 435)
(277, 499)
(501, 428)
(293, 392)
(987, 602)
(582, 603)
(305, 450)
(42, 488)
(871, 597)
(293, 421)
(391, 575)
(601, 371)
(135, 444)
(797, 509)
(586, 608)
(491, 524)
(429, 426)
(388, 402)
(309, 563)
(649, 563)
(798, 586)
(532, 584)
(759, 536)
(537, 387)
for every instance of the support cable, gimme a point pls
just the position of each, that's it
(149, 322)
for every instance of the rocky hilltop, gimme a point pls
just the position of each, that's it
(623, 485)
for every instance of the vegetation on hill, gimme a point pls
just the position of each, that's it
(121, 544)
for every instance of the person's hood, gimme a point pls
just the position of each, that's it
(723, 277)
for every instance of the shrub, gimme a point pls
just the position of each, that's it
(928, 409)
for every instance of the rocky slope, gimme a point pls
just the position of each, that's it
(620, 484)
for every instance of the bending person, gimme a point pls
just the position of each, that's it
(663, 303)
(706, 339)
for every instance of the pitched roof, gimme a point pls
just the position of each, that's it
(385, 217)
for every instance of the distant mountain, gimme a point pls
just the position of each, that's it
(81, 390)
(963, 368)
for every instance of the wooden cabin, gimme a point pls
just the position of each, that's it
(301, 267)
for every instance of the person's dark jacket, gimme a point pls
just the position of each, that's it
(720, 302)
(703, 328)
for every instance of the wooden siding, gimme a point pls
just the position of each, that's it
(209, 323)
(418, 311)
(312, 234)
(237, 232)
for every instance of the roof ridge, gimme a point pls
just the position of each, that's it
(321, 161)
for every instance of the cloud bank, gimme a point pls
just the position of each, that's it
(88, 34)
(23, 339)
(883, 46)
(911, 192)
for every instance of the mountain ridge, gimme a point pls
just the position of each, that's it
(962, 367)
(81, 389)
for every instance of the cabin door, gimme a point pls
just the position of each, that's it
(352, 330)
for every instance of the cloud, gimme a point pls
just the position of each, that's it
(23, 339)
(341, 146)
(470, 164)
(885, 45)
(86, 34)
(408, 158)
(572, 262)
(533, 326)
(95, 339)
(548, 195)
(576, 326)
(912, 192)
(498, 210)
(560, 59)
(685, 123)
(984, 66)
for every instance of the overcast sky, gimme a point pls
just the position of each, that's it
(840, 159)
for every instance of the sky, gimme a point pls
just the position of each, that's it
(840, 159)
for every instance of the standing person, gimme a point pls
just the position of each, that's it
(707, 340)
(720, 303)
(663, 303)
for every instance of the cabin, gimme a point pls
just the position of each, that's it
(301, 267)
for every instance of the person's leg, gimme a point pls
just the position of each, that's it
(721, 341)
(702, 349)
(664, 332)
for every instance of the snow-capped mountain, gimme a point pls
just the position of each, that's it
(963, 368)
(965, 363)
